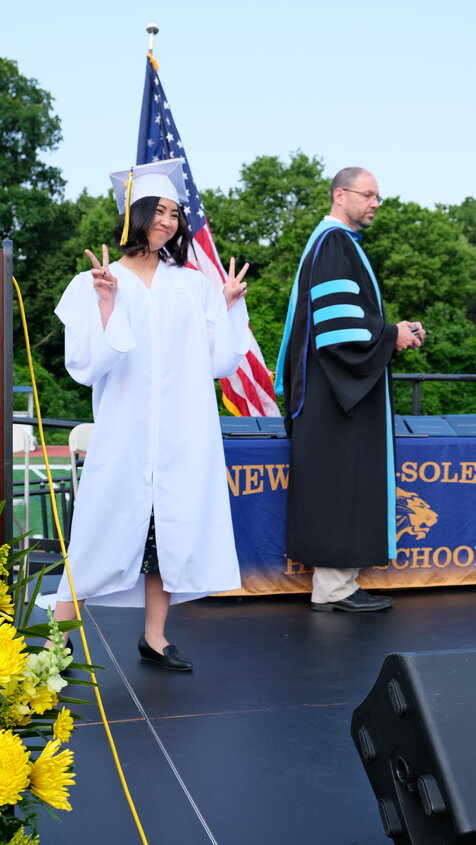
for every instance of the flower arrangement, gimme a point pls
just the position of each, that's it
(36, 767)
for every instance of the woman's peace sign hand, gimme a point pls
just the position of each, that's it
(103, 280)
(234, 288)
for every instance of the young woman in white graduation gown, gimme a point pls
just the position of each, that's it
(152, 522)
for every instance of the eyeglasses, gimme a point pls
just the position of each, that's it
(368, 195)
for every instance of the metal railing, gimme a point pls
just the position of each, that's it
(48, 422)
(418, 378)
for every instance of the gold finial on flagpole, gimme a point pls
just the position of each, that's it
(152, 29)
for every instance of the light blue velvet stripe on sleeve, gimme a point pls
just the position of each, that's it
(336, 312)
(342, 336)
(335, 286)
(391, 489)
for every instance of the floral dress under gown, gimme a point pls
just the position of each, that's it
(150, 562)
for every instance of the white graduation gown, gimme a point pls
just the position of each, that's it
(157, 440)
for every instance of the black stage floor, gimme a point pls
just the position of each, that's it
(253, 747)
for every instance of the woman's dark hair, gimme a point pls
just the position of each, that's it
(142, 213)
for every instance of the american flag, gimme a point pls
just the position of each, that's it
(248, 392)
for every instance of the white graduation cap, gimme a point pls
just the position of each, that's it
(157, 179)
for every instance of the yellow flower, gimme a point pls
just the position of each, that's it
(63, 726)
(14, 715)
(7, 608)
(4, 552)
(14, 710)
(38, 698)
(49, 776)
(12, 661)
(14, 767)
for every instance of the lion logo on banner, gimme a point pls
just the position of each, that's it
(414, 515)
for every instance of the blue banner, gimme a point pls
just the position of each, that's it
(436, 515)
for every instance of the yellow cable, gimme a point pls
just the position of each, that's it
(68, 569)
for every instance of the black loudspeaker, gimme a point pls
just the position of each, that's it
(415, 734)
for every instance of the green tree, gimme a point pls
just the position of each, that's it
(30, 189)
(427, 271)
(27, 127)
(31, 211)
(465, 214)
(48, 233)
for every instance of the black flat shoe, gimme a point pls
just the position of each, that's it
(170, 659)
(69, 644)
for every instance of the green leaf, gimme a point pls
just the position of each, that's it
(42, 629)
(86, 667)
(67, 700)
(80, 682)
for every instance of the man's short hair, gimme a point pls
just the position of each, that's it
(345, 178)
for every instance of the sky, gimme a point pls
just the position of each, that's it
(384, 86)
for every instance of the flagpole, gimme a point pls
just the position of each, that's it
(152, 29)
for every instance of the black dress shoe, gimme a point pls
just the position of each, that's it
(360, 601)
(170, 659)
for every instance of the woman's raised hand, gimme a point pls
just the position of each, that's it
(103, 280)
(234, 288)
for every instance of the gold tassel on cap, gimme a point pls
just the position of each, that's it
(127, 210)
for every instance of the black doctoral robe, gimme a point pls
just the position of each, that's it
(338, 412)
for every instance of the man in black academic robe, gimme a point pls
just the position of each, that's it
(337, 386)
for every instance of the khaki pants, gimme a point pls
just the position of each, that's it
(333, 584)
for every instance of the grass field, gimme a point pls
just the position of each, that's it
(61, 472)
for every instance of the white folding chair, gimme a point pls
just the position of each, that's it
(79, 438)
(21, 446)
